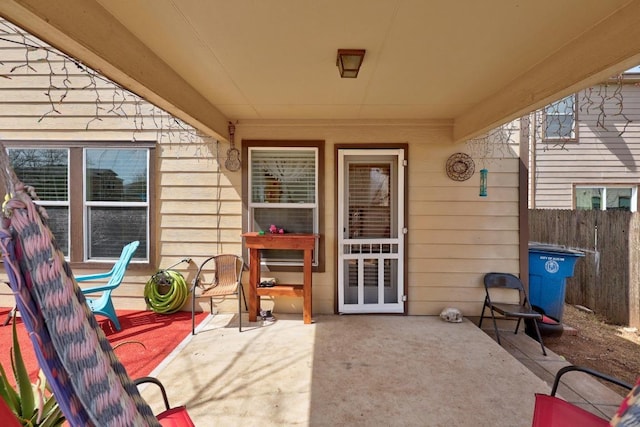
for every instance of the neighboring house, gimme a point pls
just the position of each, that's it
(585, 149)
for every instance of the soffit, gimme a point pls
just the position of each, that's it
(470, 62)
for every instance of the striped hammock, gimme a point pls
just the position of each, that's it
(88, 381)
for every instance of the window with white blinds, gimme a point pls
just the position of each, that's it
(370, 200)
(283, 184)
(47, 170)
(116, 200)
(114, 203)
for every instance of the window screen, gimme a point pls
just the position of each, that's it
(116, 200)
(47, 170)
(369, 200)
(560, 119)
(283, 183)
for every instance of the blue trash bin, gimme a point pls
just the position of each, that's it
(549, 268)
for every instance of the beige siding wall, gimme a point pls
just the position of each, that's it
(454, 235)
(601, 155)
(198, 205)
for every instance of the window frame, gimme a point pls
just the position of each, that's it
(633, 202)
(247, 193)
(77, 208)
(89, 204)
(574, 122)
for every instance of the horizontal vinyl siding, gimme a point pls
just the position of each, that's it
(198, 204)
(601, 156)
(455, 235)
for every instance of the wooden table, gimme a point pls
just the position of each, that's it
(292, 241)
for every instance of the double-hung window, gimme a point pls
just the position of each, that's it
(116, 200)
(97, 197)
(560, 120)
(47, 170)
(283, 186)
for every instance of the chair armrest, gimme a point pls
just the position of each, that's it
(94, 289)
(591, 372)
(95, 276)
(157, 382)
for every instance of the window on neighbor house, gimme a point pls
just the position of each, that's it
(97, 199)
(283, 191)
(560, 120)
(606, 198)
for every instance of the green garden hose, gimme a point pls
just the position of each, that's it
(166, 292)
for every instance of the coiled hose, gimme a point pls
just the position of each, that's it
(166, 291)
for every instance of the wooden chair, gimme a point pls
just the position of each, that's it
(226, 281)
(509, 283)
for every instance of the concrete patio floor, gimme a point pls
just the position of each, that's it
(348, 371)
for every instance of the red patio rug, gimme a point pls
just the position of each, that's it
(159, 335)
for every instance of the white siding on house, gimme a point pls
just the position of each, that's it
(600, 156)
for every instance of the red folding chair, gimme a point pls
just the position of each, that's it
(552, 411)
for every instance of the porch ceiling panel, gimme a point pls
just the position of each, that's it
(474, 64)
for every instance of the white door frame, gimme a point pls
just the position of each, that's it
(392, 250)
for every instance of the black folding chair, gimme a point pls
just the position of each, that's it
(521, 310)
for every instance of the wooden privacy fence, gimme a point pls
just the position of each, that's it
(607, 279)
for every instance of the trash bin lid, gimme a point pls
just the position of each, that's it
(556, 249)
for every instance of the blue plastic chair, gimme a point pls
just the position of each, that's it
(103, 305)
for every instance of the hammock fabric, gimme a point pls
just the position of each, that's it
(89, 383)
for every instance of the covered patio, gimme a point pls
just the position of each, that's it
(361, 370)
(435, 76)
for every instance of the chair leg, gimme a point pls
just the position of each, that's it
(240, 308)
(244, 298)
(517, 325)
(495, 326)
(110, 311)
(193, 312)
(535, 324)
(116, 323)
(114, 318)
(482, 316)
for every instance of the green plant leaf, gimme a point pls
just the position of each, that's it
(23, 402)
(25, 389)
(53, 417)
(7, 392)
(52, 414)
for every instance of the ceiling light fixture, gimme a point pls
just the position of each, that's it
(349, 62)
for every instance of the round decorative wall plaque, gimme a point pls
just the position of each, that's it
(460, 167)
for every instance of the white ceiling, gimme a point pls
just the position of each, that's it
(470, 63)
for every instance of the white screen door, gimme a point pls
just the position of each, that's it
(371, 237)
